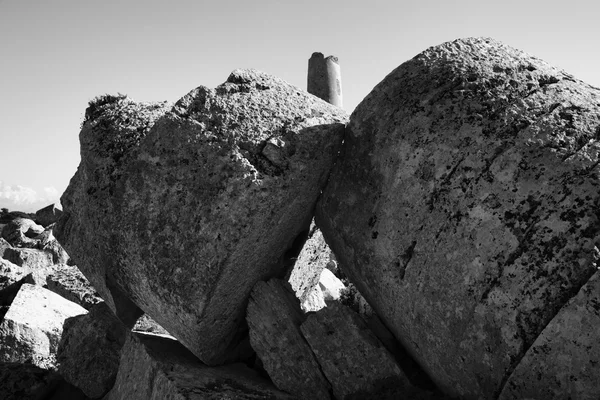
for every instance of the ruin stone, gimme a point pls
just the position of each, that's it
(274, 318)
(89, 351)
(32, 327)
(156, 367)
(471, 175)
(182, 212)
(352, 358)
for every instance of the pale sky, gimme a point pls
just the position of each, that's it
(56, 55)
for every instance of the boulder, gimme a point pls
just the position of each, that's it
(564, 361)
(48, 215)
(351, 357)
(90, 349)
(32, 327)
(183, 212)
(274, 319)
(71, 284)
(21, 231)
(471, 175)
(156, 367)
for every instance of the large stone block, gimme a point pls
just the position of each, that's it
(32, 327)
(274, 318)
(352, 358)
(183, 211)
(89, 351)
(471, 177)
(156, 367)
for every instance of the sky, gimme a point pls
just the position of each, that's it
(56, 55)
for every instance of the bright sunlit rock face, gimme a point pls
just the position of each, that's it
(188, 208)
(471, 175)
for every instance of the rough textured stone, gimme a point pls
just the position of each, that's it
(71, 284)
(313, 258)
(155, 367)
(184, 214)
(274, 319)
(11, 274)
(38, 262)
(471, 175)
(352, 358)
(48, 243)
(564, 361)
(90, 349)
(3, 246)
(31, 329)
(21, 231)
(330, 285)
(314, 301)
(48, 215)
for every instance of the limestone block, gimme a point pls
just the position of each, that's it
(32, 327)
(89, 351)
(181, 212)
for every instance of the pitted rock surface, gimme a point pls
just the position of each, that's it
(564, 361)
(274, 318)
(187, 215)
(471, 177)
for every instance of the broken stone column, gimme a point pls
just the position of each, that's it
(324, 78)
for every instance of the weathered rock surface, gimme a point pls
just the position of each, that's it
(186, 211)
(274, 317)
(89, 351)
(311, 260)
(48, 243)
(48, 215)
(314, 301)
(471, 175)
(29, 258)
(564, 361)
(155, 367)
(352, 358)
(38, 262)
(3, 246)
(21, 231)
(11, 275)
(32, 327)
(70, 283)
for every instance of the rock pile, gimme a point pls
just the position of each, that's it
(456, 215)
